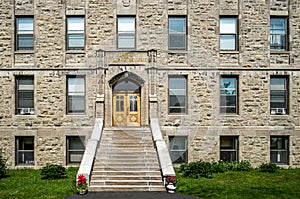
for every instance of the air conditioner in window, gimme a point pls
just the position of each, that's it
(26, 111)
(279, 111)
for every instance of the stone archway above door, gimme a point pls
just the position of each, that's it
(126, 99)
(126, 75)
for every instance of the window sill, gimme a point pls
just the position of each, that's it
(75, 115)
(25, 115)
(24, 52)
(279, 115)
(280, 52)
(229, 52)
(183, 51)
(229, 115)
(75, 52)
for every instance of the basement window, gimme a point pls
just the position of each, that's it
(75, 149)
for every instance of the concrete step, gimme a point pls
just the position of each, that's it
(127, 164)
(127, 177)
(126, 173)
(127, 168)
(126, 188)
(126, 182)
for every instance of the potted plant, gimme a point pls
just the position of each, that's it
(171, 184)
(81, 185)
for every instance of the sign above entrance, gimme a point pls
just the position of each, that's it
(128, 57)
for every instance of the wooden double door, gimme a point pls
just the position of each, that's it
(126, 108)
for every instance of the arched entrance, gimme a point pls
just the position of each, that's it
(126, 101)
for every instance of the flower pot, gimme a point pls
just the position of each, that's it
(82, 191)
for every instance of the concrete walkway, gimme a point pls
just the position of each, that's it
(129, 195)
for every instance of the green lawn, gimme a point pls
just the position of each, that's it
(252, 184)
(28, 184)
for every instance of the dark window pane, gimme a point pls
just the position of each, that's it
(177, 41)
(177, 101)
(25, 150)
(178, 157)
(279, 157)
(25, 158)
(75, 144)
(76, 103)
(228, 156)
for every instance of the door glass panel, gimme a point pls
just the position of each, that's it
(120, 103)
(133, 103)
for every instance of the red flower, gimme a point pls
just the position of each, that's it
(81, 178)
(171, 179)
(79, 182)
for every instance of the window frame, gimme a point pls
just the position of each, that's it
(18, 34)
(75, 32)
(23, 110)
(235, 149)
(280, 110)
(235, 34)
(225, 95)
(17, 151)
(185, 77)
(183, 151)
(128, 33)
(69, 151)
(71, 111)
(286, 43)
(184, 34)
(276, 151)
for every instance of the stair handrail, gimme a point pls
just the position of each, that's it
(88, 158)
(166, 165)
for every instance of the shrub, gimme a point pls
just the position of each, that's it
(269, 167)
(53, 171)
(243, 166)
(196, 169)
(2, 167)
(206, 169)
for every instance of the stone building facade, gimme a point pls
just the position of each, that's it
(210, 70)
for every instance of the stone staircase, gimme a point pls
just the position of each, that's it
(126, 160)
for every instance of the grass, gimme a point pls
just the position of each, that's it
(252, 184)
(233, 185)
(28, 184)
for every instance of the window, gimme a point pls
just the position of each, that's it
(177, 95)
(229, 148)
(177, 33)
(24, 36)
(25, 95)
(75, 149)
(178, 149)
(228, 99)
(126, 32)
(25, 150)
(279, 96)
(75, 36)
(76, 95)
(228, 33)
(278, 33)
(279, 149)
